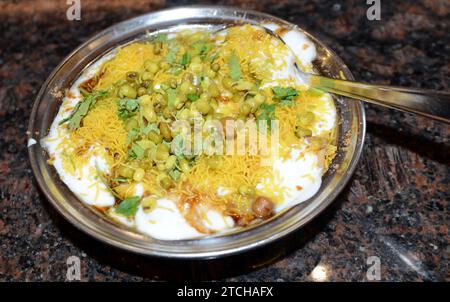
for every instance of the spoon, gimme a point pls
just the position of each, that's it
(429, 103)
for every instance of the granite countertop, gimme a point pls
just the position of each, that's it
(396, 206)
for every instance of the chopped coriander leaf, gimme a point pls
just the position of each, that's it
(185, 59)
(129, 206)
(266, 113)
(137, 151)
(201, 47)
(132, 134)
(284, 93)
(235, 68)
(83, 91)
(82, 108)
(171, 56)
(146, 130)
(175, 70)
(171, 97)
(214, 57)
(192, 97)
(161, 38)
(127, 108)
(270, 108)
(131, 155)
(123, 114)
(132, 105)
(175, 174)
(102, 178)
(120, 179)
(287, 102)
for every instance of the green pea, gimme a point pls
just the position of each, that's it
(170, 162)
(184, 165)
(149, 203)
(149, 114)
(196, 67)
(151, 67)
(227, 82)
(125, 171)
(146, 144)
(259, 98)
(138, 174)
(215, 67)
(204, 97)
(245, 85)
(245, 108)
(213, 162)
(302, 132)
(196, 59)
(160, 166)
(214, 90)
(146, 84)
(237, 98)
(141, 91)
(246, 190)
(167, 114)
(158, 109)
(131, 123)
(165, 131)
(173, 83)
(307, 118)
(166, 182)
(183, 115)
(147, 76)
(203, 106)
(211, 73)
(132, 76)
(161, 100)
(252, 104)
(188, 77)
(128, 91)
(180, 101)
(198, 90)
(186, 87)
(162, 152)
(154, 137)
(164, 65)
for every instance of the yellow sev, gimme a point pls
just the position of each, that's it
(234, 171)
(128, 58)
(101, 127)
(258, 55)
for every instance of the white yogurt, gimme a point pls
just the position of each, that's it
(165, 222)
(85, 182)
(301, 177)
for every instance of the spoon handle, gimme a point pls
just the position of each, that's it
(429, 103)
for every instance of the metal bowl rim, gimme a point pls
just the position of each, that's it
(206, 254)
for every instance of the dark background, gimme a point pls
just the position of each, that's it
(396, 206)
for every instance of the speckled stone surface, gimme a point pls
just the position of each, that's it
(396, 206)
